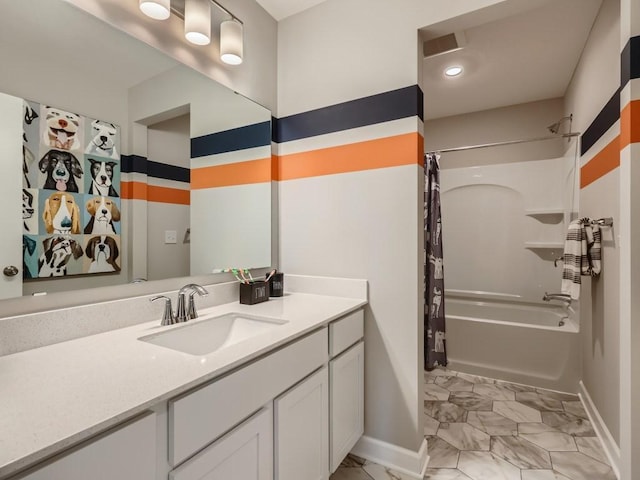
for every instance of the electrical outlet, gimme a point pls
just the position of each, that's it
(170, 236)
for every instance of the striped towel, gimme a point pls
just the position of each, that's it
(582, 255)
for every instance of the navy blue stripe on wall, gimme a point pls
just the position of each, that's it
(609, 115)
(630, 61)
(250, 136)
(139, 164)
(384, 107)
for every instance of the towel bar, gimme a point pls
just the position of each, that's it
(603, 222)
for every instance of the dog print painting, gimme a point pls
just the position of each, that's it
(103, 140)
(102, 254)
(58, 254)
(61, 130)
(30, 210)
(61, 214)
(29, 257)
(60, 170)
(70, 193)
(30, 143)
(104, 214)
(103, 177)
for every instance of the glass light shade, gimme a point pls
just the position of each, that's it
(156, 9)
(231, 42)
(197, 21)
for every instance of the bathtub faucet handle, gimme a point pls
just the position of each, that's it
(562, 297)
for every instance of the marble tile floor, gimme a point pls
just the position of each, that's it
(478, 428)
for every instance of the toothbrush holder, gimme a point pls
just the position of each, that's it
(254, 292)
(276, 285)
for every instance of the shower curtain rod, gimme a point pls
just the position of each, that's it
(509, 142)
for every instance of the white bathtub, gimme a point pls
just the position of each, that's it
(521, 343)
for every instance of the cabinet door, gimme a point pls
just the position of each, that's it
(346, 374)
(245, 453)
(129, 452)
(302, 430)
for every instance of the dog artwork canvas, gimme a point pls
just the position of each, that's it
(60, 170)
(30, 143)
(103, 216)
(60, 214)
(102, 254)
(61, 129)
(30, 210)
(103, 140)
(70, 193)
(59, 255)
(29, 256)
(103, 177)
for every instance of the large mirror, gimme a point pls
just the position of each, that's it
(192, 157)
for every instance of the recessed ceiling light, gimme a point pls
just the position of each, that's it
(453, 71)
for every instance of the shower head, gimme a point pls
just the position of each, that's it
(555, 127)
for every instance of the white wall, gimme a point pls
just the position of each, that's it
(516, 122)
(365, 224)
(596, 79)
(168, 142)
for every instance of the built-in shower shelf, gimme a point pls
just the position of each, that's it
(544, 212)
(537, 245)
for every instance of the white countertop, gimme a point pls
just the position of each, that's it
(58, 395)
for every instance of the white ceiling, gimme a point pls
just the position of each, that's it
(523, 58)
(280, 9)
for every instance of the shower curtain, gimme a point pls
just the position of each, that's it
(435, 353)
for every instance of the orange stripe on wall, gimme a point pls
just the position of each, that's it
(134, 190)
(168, 195)
(153, 193)
(602, 163)
(630, 124)
(380, 153)
(241, 173)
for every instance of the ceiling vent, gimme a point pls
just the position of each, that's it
(445, 44)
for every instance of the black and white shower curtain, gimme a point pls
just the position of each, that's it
(435, 353)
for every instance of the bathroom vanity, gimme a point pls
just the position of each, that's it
(285, 403)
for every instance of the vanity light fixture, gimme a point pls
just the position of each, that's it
(197, 21)
(197, 16)
(231, 42)
(453, 71)
(156, 9)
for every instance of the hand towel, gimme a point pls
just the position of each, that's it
(582, 255)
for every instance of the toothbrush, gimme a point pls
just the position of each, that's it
(271, 274)
(248, 272)
(246, 280)
(235, 274)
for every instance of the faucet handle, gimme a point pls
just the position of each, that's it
(167, 316)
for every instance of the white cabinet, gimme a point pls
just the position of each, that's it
(199, 417)
(246, 453)
(126, 453)
(302, 430)
(346, 374)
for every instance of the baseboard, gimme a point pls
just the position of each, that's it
(407, 462)
(611, 449)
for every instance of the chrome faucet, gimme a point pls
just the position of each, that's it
(562, 297)
(189, 312)
(168, 318)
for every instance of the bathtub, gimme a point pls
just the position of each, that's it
(536, 345)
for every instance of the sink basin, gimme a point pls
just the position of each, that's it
(211, 334)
